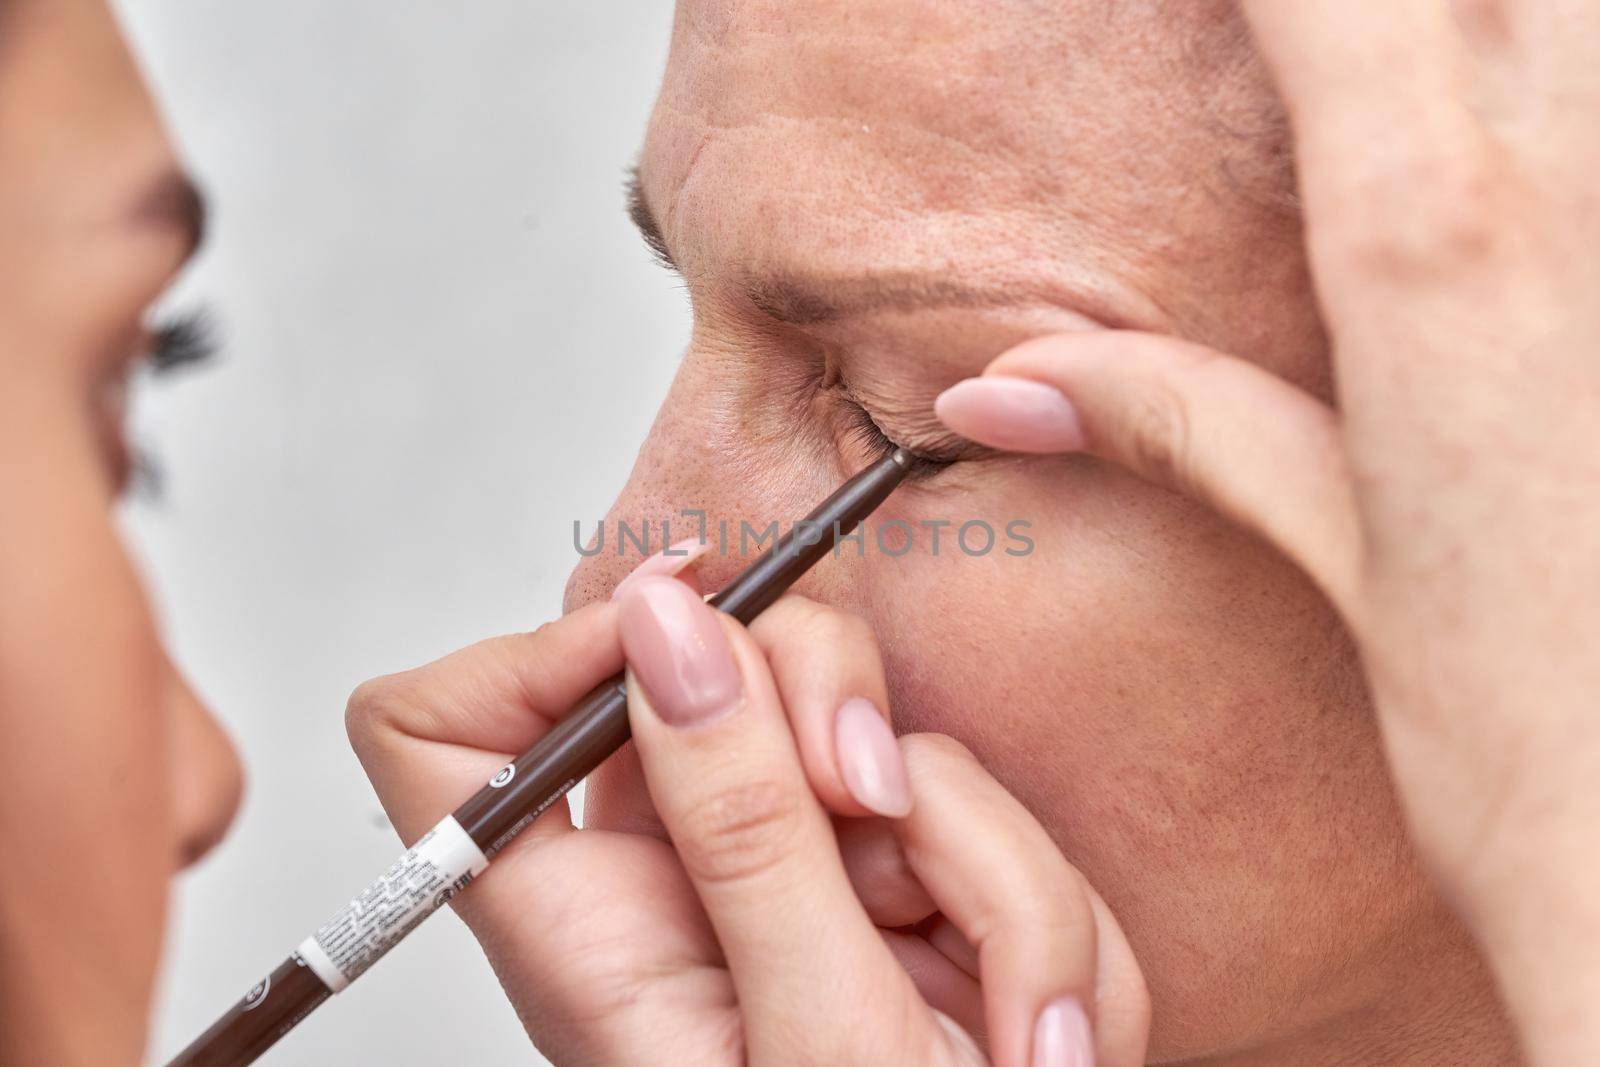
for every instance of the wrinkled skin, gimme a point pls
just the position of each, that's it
(1173, 700)
(1179, 708)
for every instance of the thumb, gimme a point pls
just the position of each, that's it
(1217, 428)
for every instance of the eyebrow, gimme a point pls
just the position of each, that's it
(813, 299)
(174, 200)
(644, 220)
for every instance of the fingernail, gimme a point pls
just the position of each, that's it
(1013, 414)
(666, 563)
(869, 759)
(678, 651)
(1061, 1037)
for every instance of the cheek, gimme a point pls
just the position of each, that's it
(1179, 708)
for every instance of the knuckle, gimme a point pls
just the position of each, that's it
(801, 618)
(376, 707)
(1435, 211)
(1056, 901)
(931, 755)
(527, 656)
(788, 607)
(832, 627)
(739, 832)
(540, 633)
(1054, 910)
(1488, 18)
(1156, 435)
(801, 631)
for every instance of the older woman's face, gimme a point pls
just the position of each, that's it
(868, 202)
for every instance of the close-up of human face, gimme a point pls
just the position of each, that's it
(867, 204)
(943, 532)
(112, 775)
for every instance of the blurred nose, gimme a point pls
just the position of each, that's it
(207, 778)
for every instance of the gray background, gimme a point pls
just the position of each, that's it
(443, 343)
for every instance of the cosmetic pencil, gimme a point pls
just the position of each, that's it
(446, 859)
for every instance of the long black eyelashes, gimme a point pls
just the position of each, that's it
(185, 340)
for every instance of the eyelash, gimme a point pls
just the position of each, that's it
(871, 435)
(186, 340)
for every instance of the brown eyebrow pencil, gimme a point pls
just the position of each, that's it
(448, 857)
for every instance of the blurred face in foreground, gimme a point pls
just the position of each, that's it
(868, 202)
(112, 776)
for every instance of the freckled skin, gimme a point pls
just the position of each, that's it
(1171, 698)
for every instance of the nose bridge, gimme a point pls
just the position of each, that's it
(672, 494)
(701, 498)
(705, 470)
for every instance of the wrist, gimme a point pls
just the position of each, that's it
(1535, 910)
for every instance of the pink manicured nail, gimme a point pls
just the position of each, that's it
(666, 563)
(869, 759)
(1061, 1037)
(678, 651)
(1013, 414)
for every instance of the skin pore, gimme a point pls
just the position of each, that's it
(111, 772)
(867, 202)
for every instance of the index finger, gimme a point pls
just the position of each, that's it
(429, 737)
(1376, 92)
(1052, 959)
(1361, 58)
(722, 767)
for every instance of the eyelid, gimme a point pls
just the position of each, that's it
(881, 441)
(930, 442)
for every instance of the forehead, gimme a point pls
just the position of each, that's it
(73, 105)
(1007, 135)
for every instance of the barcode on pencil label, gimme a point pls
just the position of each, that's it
(420, 882)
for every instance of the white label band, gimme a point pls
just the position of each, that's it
(435, 869)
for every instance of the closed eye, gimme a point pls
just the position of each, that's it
(874, 439)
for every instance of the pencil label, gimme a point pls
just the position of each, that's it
(436, 868)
